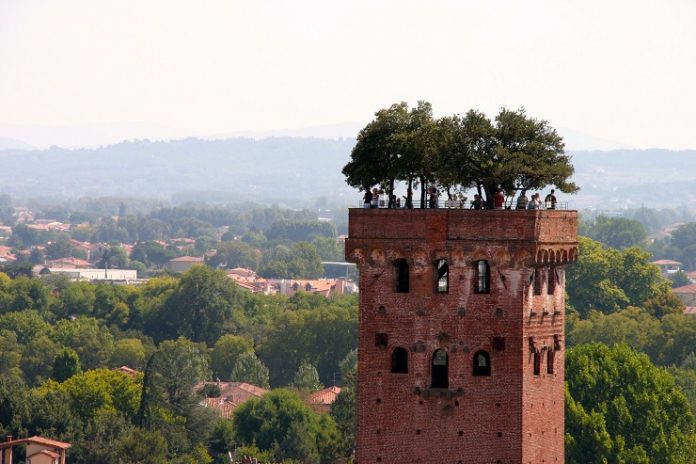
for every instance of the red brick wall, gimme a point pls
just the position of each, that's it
(512, 416)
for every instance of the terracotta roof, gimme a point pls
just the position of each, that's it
(665, 262)
(38, 440)
(187, 259)
(242, 271)
(77, 262)
(691, 288)
(126, 370)
(223, 406)
(326, 396)
(690, 310)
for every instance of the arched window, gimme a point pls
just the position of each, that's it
(482, 363)
(440, 374)
(401, 275)
(442, 281)
(551, 281)
(399, 361)
(483, 277)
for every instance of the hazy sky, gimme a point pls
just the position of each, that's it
(619, 70)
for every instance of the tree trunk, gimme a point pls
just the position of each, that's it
(490, 190)
(422, 193)
(409, 193)
(392, 200)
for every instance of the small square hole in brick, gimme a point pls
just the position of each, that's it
(461, 433)
(417, 431)
(379, 400)
(500, 434)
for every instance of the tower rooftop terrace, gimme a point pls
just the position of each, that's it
(541, 226)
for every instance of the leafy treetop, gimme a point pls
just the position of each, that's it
(513, 152)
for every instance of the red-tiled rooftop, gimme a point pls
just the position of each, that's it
(690, 310)
(38, 440)
(187, 259)
(691, 288)
(326, 396)
(665, 262)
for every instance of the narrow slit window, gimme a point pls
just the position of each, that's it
(550, 355)
(537, 363)
(537, 281)
(440, 375)
(381, 339)
(402, 277)
(483, 277)
(399, 361)
(442, 276)
(551, 282)
(482, 364)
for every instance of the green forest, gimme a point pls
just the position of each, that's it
(631, 367)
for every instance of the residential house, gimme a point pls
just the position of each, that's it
(667, 266)
(232, 394)
(69, 263)
(322, 400)
(687, 294)
(183, 263)
(40, 450)
(117, 276)
(6, 254)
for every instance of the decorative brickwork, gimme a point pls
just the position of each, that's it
(475, 386)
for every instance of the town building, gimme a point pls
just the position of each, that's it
(184, 263)
(117, 276)
(687, 294)
(232, 394)
(667, 266)
(249, 280)
(461, 334)
(39, 450)
(322, 400)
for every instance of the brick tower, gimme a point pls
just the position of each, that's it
(461, 349)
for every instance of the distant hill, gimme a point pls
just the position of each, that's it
(280, 169)
(296, 172)
(7, 143)
(630, 178)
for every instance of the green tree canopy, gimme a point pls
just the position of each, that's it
(204, 305)
(248, 368)
(514, 152)
(608, 280)
(280, 422)
(307, 378)
(225, 353)
(615, 232)
(66, 364)
(621, 408)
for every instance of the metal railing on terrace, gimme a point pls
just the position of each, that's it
(456, 204)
